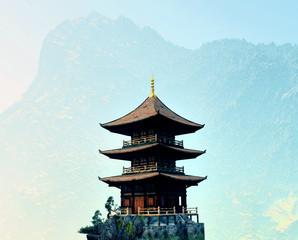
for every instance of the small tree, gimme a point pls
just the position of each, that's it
(96, 218)
(109, 204)
(97, 215)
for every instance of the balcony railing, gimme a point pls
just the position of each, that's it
(151, 168)
(157, 211)
(166, 211)
(151, 139)
(159, 216)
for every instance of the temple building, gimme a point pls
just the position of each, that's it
(153, 181)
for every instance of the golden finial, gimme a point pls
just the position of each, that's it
(152, 87)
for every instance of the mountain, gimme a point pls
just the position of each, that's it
(95, 69)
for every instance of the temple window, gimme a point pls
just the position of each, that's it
(150, 201)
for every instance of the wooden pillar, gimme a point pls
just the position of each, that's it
(133, 200)
(185, 198)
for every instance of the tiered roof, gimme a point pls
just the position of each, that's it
(152, 113)
(152, 108)
(130, 152)
(118, 180)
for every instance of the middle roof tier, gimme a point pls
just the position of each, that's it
(152, 149)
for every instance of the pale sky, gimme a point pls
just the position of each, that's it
(188, 23)
(25, 24)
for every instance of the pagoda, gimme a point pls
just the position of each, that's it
(153, 184)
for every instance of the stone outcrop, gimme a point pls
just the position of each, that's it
(138, 226)
(97, 229)
(134, 228)
(110, 229)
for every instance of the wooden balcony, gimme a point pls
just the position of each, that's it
(152, 139)
(166, 211)
(159, 213)
(152, 168)
(156, 211)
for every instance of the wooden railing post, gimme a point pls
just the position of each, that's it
(182, 209)
(158, 210)
(127, 211)
(196, 210)
(139, 210)
(174, 209)
(152, 167)
(152, 138)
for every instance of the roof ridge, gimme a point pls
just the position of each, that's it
(102, 124)
(155, 108)
(179, 115)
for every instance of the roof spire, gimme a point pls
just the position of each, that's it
(152, 87)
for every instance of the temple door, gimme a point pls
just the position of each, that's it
(139, 202)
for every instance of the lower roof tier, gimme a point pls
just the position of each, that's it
(121, 180)
(157, 149)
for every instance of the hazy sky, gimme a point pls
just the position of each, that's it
(25, 24)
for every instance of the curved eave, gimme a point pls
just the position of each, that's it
(152, 109)
(168, 113)
(122, 122)
(122, 179)
(126, 128)
(177, 128)
(129, 153)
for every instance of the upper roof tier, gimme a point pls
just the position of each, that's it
(152, 113)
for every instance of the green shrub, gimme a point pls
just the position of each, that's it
(87, 229)
(142, 217)
(119, 223)
(165, 235)
(130, 230)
